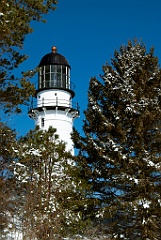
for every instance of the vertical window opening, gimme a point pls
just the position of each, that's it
(54, 76)
(42, 122)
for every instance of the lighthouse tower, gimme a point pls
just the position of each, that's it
(54, 106)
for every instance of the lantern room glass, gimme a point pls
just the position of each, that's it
(54, 76)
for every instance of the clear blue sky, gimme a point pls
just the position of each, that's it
(87, 32)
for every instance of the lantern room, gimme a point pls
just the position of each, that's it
(54, 72)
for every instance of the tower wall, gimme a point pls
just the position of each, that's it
(53, 97)
(62, 121)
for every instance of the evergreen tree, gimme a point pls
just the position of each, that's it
(121, 150)
(50, 195)
(7, 185)
(15, 24)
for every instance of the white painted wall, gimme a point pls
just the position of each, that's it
(60, 120)
(52, 97)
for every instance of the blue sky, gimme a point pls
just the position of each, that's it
(87, 32)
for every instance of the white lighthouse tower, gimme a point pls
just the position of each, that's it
(54, 106)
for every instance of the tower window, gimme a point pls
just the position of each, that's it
(57, 76)
(42, 122)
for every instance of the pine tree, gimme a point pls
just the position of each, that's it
(50, 195)
(15, 25)
(121, 150)
(7, 185)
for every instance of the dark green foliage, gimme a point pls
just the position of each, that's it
(122, 144)
(7, 143)
(7, 183)
(41, 192)
(51, 195)
(15, 24)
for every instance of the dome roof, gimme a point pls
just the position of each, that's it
(53, 58)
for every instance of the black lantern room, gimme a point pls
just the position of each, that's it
(54, 72)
